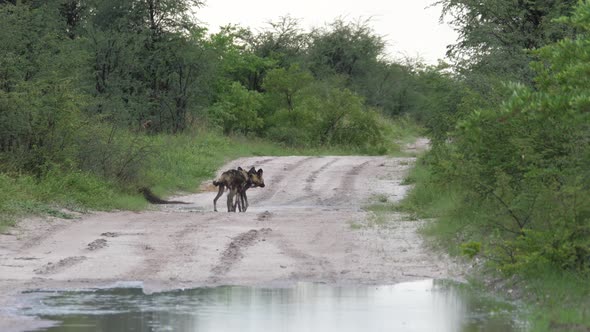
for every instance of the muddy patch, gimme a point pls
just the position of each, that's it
(117, 234)
(266, 215)
(63, 264)
(97, 244)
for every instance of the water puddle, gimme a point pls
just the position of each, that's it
(428, 305)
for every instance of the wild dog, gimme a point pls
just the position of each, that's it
(254, 180)
(237, 181)
(234, 179)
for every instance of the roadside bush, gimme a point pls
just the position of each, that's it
(38, 126)
(327, 117)
(112, 153)
(525, 164)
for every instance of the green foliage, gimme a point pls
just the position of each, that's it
(530, 158)
(494, 47)
(76, 191)
(519, 169)
(283, 41)
(238, 110)
(470, 249)
(38, 130)
(148, 63)
(282, 85)
(345, 49)
(438, 101)
(432, 196)
(39, 108)
(112, 153)
(392, 88)
(237, 61)
(326, 116)
(98, 68)
(563, 300)
(494, 36)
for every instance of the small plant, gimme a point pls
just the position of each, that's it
(470, 249)
(354, 225)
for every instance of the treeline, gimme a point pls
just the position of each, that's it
(84, 82)
(509, 171)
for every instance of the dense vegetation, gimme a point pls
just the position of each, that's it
(508, 175)
(92, 91)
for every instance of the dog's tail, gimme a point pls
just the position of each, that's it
(152, 198)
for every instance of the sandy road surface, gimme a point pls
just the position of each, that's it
(298, 228)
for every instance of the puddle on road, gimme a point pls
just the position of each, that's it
(414, 306)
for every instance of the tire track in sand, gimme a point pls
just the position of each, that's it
(308, 193)
(275, 183)
(183, 249)
(342, 195)
(310, 267)
(233, 253)
(60, 266)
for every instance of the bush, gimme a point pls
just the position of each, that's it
(112, 153)
(237, 111)
(524, 164)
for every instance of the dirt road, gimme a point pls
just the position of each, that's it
(307, 224)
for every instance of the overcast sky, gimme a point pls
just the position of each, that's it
(409, 28)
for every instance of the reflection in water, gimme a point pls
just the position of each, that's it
(415, 306)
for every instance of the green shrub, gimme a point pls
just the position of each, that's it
(238, 110)
(520, 170)
(470, 249)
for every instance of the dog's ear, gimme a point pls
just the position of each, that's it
(239, 168)
(252, 170)
(260, 172)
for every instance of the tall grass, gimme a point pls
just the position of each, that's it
(58, 192)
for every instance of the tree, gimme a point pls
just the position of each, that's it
(438, 99)
(73, 12)
(353, 52)
(527, 159)
(237, 110)
(237, 61)
(283, 41)
(389, 87)
(494, 35)
(345, 49)
(39, 101)
(150, 62)
(283, 84)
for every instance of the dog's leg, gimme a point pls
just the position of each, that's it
(221, 189)
(236, 202)
(230, 200)
(244, 201)
(239, 202)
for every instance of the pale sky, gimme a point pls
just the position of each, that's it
(409, 28)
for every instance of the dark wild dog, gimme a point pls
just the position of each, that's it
(237, 181)
(232, 180)
(254, 180)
